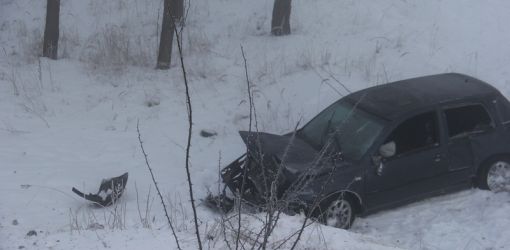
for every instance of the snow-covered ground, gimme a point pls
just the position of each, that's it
(73, 121)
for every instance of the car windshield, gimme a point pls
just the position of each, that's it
(345, 126)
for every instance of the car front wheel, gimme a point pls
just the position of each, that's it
(339, 213)
(496, 176)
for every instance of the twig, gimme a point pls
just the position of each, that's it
(156, 184)
(250, 99)
(291, 236)
(138, 205)
(144, 220)
(326, 81)
(275, 183)
(318, 200)
(223, 227)
(336, 80)
(190, 130)
(315, 204)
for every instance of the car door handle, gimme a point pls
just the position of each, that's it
(438, 157)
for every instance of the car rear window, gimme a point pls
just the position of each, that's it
(467, 119)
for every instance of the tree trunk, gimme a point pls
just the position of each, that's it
(280, 24)
(51, 30)
(177, 10)
(172, 13)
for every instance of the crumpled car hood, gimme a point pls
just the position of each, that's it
(300, 155)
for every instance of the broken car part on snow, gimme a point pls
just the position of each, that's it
(109, 192)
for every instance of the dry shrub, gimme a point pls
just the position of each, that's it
(112, 47)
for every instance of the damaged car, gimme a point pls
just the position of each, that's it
(379, 148)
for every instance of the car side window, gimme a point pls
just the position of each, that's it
(467, 119)
(415, 133)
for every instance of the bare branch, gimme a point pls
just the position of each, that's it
(190, 131)
(156, 184)
(250, 99)
(336, 80)
(326, 81)
(318, 198)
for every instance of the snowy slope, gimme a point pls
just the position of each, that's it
(72, 122)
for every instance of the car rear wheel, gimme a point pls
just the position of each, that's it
(339, 213)
(496, 176)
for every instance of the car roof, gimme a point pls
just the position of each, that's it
(391, 100)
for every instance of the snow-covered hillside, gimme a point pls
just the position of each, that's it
(72, 122)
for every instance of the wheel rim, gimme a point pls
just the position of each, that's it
(339, 214)
(498, 177)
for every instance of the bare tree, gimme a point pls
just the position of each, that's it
(280, 24)
(177, 11)
(51, 30)
(172, 14)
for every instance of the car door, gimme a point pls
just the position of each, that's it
(469, 126)
(418, 160)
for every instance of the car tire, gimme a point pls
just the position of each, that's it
(339, 213)
(495, 175)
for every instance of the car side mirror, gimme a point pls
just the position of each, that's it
(388, 150)
(385, 151)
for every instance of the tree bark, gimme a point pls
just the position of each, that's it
(280, 24)
(177, 10)
(51, 30)
(172, 13)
